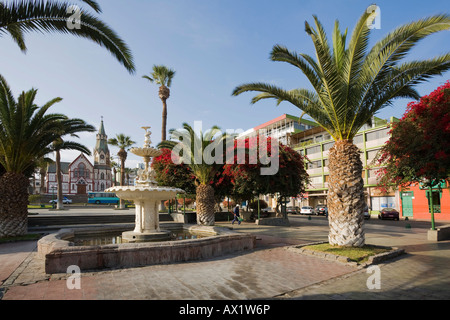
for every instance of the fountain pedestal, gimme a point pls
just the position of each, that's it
(146, 196)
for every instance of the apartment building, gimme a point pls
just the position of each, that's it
(280, 128)
(315, 144)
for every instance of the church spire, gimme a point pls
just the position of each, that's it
(101, 150)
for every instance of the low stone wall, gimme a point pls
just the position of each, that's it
(440, 234)
(273, 222)
(59, 254)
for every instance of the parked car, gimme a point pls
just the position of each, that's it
(307, 210)
(366, 213)
(65, 201)
(389, 213)
(321, 210)
(293, 210)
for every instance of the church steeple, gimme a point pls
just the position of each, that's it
(101, 151)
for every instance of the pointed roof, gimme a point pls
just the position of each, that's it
(82, 156)
(51, 167)
(102, 129)
(102, 140)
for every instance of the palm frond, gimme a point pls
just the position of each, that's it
(121, 141)
(162, 75)
(351, 83)
(93, 4)
(72, 145)
(48, 17)
(195, 149)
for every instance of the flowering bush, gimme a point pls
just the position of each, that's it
(172, 175)
(246, 178)
(419, 147)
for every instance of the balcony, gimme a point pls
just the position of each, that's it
(314, 171)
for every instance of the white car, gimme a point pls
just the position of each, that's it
(65, 201)
(307, 210)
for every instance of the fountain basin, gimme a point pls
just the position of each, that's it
(146, 200)
(59, 252)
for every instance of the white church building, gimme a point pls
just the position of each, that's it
(81, 176)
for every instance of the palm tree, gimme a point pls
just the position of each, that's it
(68, 127)
(41, 168)
(193, 155)
(124, 143)
(114, 165)
(17, 17)
(162, 76)
(26, 133)
(350, 84)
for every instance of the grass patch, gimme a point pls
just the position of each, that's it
(25, 237)
(38, 206)
(359, 255)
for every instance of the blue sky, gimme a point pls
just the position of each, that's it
(214, 45)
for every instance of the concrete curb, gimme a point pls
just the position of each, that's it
(376, 259)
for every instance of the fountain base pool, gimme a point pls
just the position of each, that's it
(59, 252)
(133, 236)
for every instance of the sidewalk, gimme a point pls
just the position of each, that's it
(268, 272)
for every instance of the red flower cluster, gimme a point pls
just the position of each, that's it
(419, 146)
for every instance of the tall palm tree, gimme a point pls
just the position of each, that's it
(124, 143)
(193, 153)
(17, 17)
(26, 133)
(68, 127)
(350, 84)
(163, 76)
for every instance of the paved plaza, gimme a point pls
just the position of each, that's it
(271, 271)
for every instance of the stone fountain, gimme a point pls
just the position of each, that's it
(146, 196)
(146, 244)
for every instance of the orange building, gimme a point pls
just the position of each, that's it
(414, 202)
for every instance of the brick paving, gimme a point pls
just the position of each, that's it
(268, 272)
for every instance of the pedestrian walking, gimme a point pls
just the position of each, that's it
(236, 215)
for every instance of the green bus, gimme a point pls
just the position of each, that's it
(102, 197)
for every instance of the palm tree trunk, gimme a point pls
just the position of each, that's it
(205, 205)
(345, 195)
(164, 120)
(123, 156)
(59, 197)
(13, 204)
(42, 173)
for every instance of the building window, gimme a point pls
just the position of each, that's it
(358, 139)
(81, 168)
(102, 176)
(379, 203)
(436, 201)
(314, 164)
(328, 146)
(379, 134)
(313, 150)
